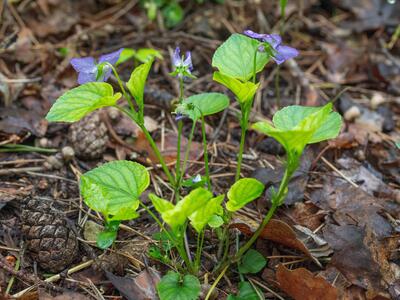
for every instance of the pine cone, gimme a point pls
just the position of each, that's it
(50, 241)
(89, 137)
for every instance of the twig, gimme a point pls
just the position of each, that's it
(53, 278)
(338, 172)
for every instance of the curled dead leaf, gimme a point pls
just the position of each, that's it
(276, 231)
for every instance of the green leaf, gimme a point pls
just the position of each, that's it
(126, 54)
(206, 104)
(242, 192)
(82, 100)
(215, 221)
(137, 82)
(291, 116)
(246, 292)
(244, 91)
(160, 204)
(176, 215)
(202, 216)
(252, 262)
(173, 14)
(144, 55)
(296, 127)
(235, 57)
(113, 189)
(105, 239)
(397, 144)
(175, 286)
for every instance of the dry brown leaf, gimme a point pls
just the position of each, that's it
(301, 284)
(142, 287)
(276, 230)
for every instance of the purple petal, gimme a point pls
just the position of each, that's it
(84, 64)
(176, 58)
(285, 53)
(255, 35)
(188, 61)
(84, 77)
(112, 57)
(273, 39)
(179, 117)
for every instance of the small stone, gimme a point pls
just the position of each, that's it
(53, 163)
(376, 100)
(68, 153)
(44, 143)
(360, 155)
(113, 113)
(352, 113)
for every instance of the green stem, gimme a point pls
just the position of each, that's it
(237, 249)
(216, 282)
(241, 150)
(178, 162)
(276, 200)
(255, 66)
(121, 85)
(256, 234)
(158, 221)
(277, 88)
(188, 149)
(178, 147)
(207, 170)
(179, 244)
(158, 154)
(199, 250)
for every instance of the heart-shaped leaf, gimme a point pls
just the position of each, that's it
(246, 292)
(176, 215)
(252, 262)
(114, 189)
(242, 192)
(206, 104)
(291, 116)
(203, 215)
(105, 239)
(82, 100)
(296, 127)
(175, 286)
(235, 57)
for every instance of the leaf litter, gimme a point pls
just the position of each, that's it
(342, 43)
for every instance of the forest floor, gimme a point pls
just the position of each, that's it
(337, 236)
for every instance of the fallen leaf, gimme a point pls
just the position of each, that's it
(276, 231)
(65, 296)
(301, 284)
(142, 287)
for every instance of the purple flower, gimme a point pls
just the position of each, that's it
(281, 52)
(90, 71)
(182, 65)
(179, 117)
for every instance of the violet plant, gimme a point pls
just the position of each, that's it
(114, 188)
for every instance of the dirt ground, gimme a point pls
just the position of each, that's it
(336, 237)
